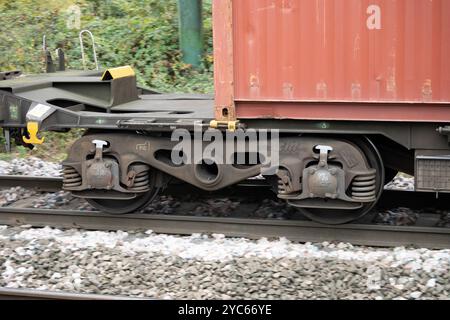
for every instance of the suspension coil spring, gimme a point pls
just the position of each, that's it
(283, 182)
(364, 187)
(141, 182)
(281, 187)
(71, 178)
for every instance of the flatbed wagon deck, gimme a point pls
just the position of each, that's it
(87, 100)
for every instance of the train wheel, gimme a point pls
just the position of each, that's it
(124, 206)
(335, 216)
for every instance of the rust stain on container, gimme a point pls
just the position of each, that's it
(427, 91)
(376, 51)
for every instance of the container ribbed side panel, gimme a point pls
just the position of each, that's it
(342, 50)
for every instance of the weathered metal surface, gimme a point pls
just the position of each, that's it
(354, 111)
(46, 184)
(70, 94)
(155, 152)
(191, 31)
(432, 170)
(301, 231)
(223, 60)
(347, 51)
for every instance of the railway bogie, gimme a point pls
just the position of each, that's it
(121, 172)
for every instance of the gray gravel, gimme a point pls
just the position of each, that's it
(52, 200)
(30, 166)
(12, 195)
(398, 217)
(445, 219)
(163, 205)
(201, 267)
(274, 210)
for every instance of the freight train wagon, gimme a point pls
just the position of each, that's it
(351, 91)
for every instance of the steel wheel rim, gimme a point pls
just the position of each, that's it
(336, 217)
(124, 206)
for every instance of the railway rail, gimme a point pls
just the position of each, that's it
(361, 233)
(298, 231)
(401, 198)
(44, 184)
(32, 294)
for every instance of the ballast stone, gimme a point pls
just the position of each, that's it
(161, 266)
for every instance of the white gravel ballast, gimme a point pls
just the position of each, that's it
(215, 267)
(30, 166)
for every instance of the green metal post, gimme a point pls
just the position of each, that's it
(191, 31)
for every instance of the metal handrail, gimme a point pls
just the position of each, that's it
(83, 57)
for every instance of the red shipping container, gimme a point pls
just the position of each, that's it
(332, 59)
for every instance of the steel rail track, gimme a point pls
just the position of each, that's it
(298, 231)
(301, 231)
(414, 200)
(44, 184)
(32, 294)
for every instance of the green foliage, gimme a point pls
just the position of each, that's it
(56, 145)
(140, 33)
(6, 156)
(53, 149)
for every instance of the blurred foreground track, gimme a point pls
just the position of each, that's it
(31, 294)
(294, 230)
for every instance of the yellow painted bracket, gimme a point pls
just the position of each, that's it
(33, 128)
(116, 73)
(230, 125)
